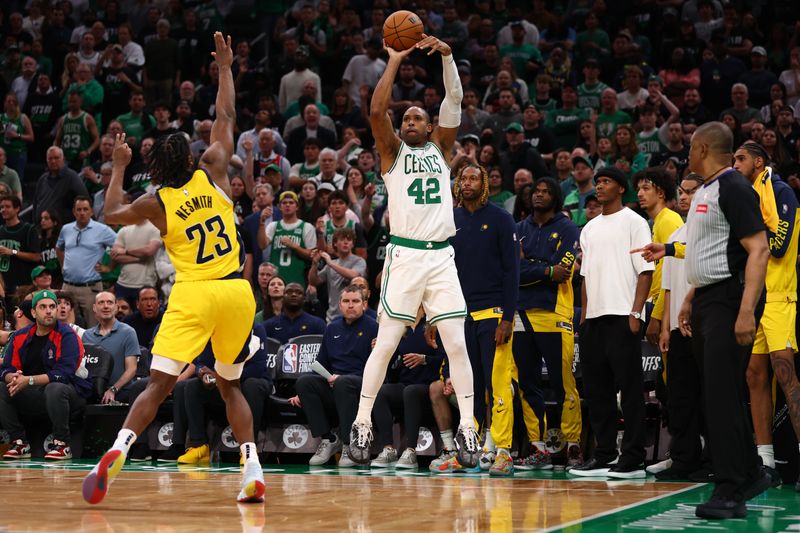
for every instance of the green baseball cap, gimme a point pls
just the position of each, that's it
(38, 271)
(515, 126)
(42, 295)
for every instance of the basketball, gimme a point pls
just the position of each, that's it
(402, 30)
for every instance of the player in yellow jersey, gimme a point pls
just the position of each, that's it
(776, 341)
(210, 300)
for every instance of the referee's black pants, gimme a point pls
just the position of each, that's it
(611, 361)
(724, 363)
(684, 386)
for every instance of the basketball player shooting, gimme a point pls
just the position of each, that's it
(419, 267)
(194, 213)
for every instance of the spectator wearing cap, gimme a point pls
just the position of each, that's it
(41, 278)
(741, 109)
(537, 135)
(407, 90)
(519, 154)
(363, 69)
(291, 85)
(39, 373)
(506, 33)
(565, 120)
(615, 286)
(163, 125)
(758, 79)
(526, 57)
(291, 238)
(592, 88)
(19, 245)
(162, 65)
(119, 340)
(576, 193)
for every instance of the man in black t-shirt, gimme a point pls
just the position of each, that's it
(118, 80)
(19, 245)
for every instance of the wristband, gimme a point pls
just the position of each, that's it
(550, 273)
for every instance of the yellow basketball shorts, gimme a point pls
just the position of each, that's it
(776, 329)
(218, 310)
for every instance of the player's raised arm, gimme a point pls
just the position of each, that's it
(386, 141)
(450, 111)
(215, 159)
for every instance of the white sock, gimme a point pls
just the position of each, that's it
(767, 454)
(488, 444)
(389, 334)
(452, 332)
(249, 452)
(447, 439)
(125, 439)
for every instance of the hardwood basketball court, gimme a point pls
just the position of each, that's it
(42, 496)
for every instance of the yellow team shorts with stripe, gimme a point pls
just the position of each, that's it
(221, 310)
(776, 329)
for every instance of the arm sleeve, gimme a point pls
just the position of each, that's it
(269, 231)
(450, 109)
(131, 344)
(787, 213)
(60, 243)
(109, 237)
(509, 253)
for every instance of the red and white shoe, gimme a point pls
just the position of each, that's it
(95, 485)
(60, 451)
(19, 450)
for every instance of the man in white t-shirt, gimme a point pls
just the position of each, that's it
(363, 69)
(615, 287)
(135, 250)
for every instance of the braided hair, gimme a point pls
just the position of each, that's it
(458, 194)
(171, 162)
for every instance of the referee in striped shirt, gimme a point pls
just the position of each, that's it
(726, 264)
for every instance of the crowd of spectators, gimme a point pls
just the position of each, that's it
(551, 88)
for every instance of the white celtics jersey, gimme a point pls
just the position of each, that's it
(420, 201)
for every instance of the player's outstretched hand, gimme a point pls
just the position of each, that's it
(224, 53)
(434, 45)
(121, 155)
(651, 252)
(394, 53)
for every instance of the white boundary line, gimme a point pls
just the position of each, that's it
(620, 509)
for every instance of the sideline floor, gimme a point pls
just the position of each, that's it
(40, 496)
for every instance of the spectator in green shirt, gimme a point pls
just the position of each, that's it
(90, 90)
(564, 121)
(594, 41)
(610, 117)
(136, 122)
(525, 57)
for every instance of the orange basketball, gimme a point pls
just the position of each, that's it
(402, 30)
